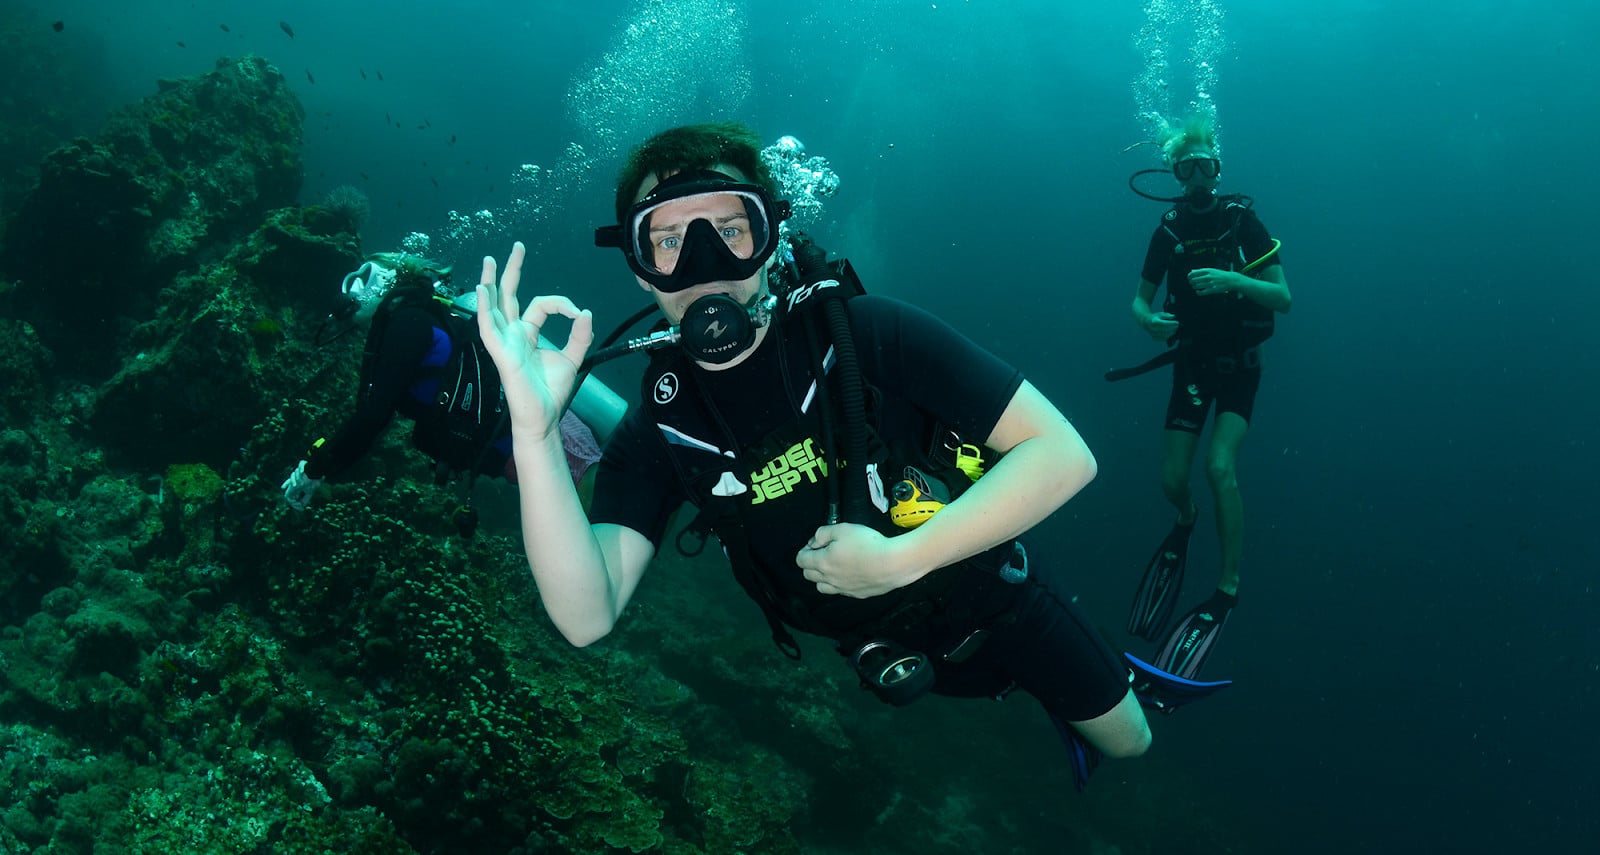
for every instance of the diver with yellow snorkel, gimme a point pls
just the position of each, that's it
(1225, 284)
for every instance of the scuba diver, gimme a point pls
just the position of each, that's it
(423, 359)
(1225, 283)
(867, 469)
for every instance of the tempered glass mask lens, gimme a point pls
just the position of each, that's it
(1206, 166)
(660, 233)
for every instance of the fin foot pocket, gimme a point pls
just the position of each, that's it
(1163, 691)
(1193, 639)
(1158, 591)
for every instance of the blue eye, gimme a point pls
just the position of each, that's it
(670, 242)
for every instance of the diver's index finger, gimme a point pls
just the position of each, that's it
(513, 273)
(581, 337)
(487, 322)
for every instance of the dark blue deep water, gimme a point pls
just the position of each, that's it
(1416, 652)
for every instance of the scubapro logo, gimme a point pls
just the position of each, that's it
(666, 388)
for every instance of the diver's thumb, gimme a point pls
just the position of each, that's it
(821, 538)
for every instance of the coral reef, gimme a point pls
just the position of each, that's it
(190, 168)
(188, 666)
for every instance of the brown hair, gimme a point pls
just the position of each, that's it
(693, 147)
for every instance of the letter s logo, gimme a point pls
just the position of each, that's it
(666, 388)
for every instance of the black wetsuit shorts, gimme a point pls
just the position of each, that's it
(1229, 381)
(1044, 645)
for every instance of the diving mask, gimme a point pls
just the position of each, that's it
(696, 227)
(1207, 167)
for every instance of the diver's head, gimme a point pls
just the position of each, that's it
(364, 288)
(697, 214)
(415, 271)
(1190, 150)
(384, 273)
(1199, 171)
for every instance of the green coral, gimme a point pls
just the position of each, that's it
(266, 331)
(193, 483)
(195, 667)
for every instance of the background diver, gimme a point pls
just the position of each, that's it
(423, 359)
(1225, 283)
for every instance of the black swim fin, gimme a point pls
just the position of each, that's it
(1164, 692)
(1193, 639)
(1158, 590)
(1085, 757)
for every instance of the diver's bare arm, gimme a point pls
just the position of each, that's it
(1267, 287)
(585, 573)
(1046, 463)
(1141, 302)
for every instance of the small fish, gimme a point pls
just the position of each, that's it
(181, 44)
(363, 74)
(58, 26)
(225, 28)
(284, 25)
(434, 180)
(387, 120)
(379, 72)
(452, 139)
(309, 77)
(428, 122)
(422, 127)
(364, 176)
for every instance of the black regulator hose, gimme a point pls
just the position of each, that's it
(1135, 188)
(853, 399)
(607, 352)
(812, 263)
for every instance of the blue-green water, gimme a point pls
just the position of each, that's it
(1416, 653)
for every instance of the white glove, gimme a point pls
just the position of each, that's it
(299, 487)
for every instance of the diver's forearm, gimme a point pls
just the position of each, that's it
(1273, 293)
(568, 566)
(1031, 482)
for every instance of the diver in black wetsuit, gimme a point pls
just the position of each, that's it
(1225, 283)
(424, 361)
(889, 528)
